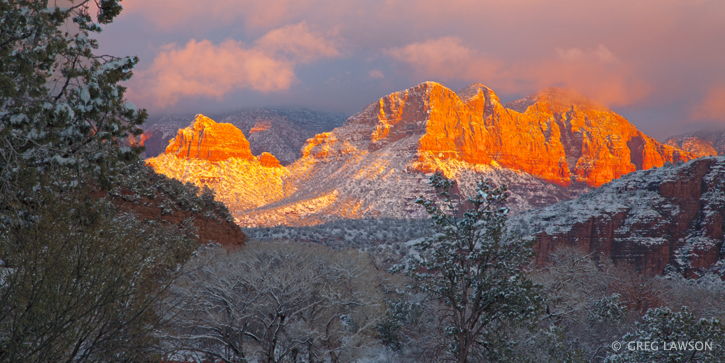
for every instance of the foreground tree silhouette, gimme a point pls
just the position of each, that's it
(475, 273)
(61, 105)
(78, 280)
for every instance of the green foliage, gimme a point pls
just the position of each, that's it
(475, 272)
(79, 281)
(400, 314)
(60, 104)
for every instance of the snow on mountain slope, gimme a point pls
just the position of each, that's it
(657, 220)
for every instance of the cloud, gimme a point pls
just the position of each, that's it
(646, 55)
(179, 14)
(376, 74)
(203, 69)
(600, 54)
(713, 106)
(297, 42)
(444, 58)
(597, 73)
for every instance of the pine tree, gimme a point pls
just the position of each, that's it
(61, 105)
(474, 272)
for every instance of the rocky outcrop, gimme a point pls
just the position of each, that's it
(701, 143)
(559, 136)
(217, 156)
(279, 131)
(268, 160)
(208, 140)
(548, 147)
(657, 220)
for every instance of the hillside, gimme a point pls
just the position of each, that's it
(654, 220)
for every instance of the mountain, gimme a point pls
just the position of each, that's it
(556, 135)
(654, 220)
(548, 147)
(217, 155)
(278, 131)
(700, 143)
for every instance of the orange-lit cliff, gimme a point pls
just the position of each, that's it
(208, 140)
(559, 136)
(217, 155)
(547, 147)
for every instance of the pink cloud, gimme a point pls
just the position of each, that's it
(596, 73)
(175, 14)
(298, 42)
(376, 74)
(445, 58)
(203, 69)
(713, 106)
(648, 53)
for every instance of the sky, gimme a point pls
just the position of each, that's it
(659, 63)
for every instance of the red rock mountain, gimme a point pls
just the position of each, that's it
(559, 136)
(700, 143)
(208, 140)
(548, 147)
(279, 131)
(672, 216)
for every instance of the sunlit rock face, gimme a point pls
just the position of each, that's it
(556, 135)
(207, 140)
(217, 155)
(700, 143)
(268, 160)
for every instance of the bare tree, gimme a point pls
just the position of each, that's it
(276, 302)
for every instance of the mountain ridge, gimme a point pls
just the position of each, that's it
(376, 164)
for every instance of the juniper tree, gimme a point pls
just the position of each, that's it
(474, 272)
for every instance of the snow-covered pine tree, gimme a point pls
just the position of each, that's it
(61, 105)
(474, 272)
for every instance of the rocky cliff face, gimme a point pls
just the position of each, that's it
(555, 135)
(701, 143)
(669, 218)
(208, 140)
(218, 156)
